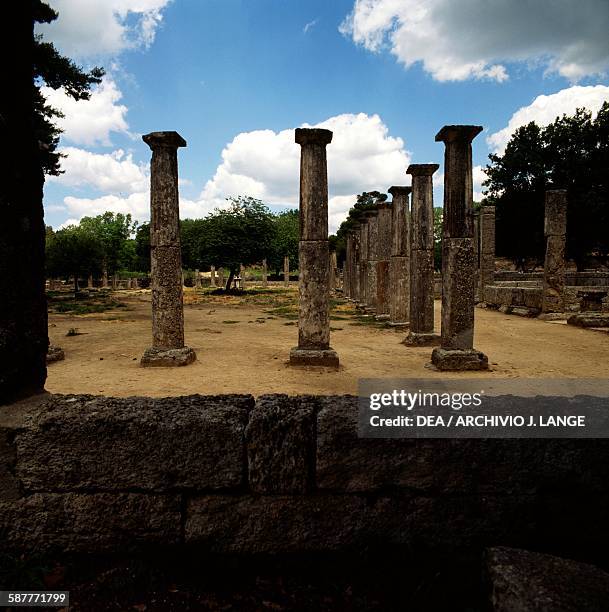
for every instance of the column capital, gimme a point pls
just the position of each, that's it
(384, 205)
(397, 190)
(422, 169)
(369, 214)
(455, 133)
(156, 140)
(308, 136)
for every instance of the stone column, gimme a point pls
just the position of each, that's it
(212, 276)
(136, 283)
(477, 254)
(265, 274)
(399, 266)
(90, 281)
(286, 270)
(555, 231)
(168, 347)
(313, 253)
(221, 277)
(383, 262)
(197, 279)
(458, 264)
(487, 249)
(373, 250)
(333, 271)
(114, 281)
(422, 257)
(363, 263)
(347, 266)
(105, 279)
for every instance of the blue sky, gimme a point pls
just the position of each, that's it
(235, 77)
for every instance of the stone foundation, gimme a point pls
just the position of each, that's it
(314, 357)
(459, 359)
(166, 358)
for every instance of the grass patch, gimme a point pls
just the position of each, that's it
(78, 307)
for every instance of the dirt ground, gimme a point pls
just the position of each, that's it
(242, 346)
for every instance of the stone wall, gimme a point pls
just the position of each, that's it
(230, 474)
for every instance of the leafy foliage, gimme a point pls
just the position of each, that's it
(573, 154)
(285, 240)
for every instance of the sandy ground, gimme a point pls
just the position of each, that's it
(242, 348)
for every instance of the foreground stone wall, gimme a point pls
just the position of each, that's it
(281, 474)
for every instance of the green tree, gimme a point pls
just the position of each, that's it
(142, 247)
(113, 230)
(73, 251)
(571, 153)
(284, 241)
(57, 72)
(241, 234)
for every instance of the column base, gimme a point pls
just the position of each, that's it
(421, 339)
(382, 317)
(589, 319)
(552, 316)
(314, 357)
(459, 359)
(167, 358)
(55, 353)
(398, 323)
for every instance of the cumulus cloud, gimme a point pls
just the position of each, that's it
(93, 28)
(90, 122)
(265, 164)
(545, 109)
(474, 39)
(114, 172)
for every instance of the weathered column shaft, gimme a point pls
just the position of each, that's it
(486, 220)
(313, 253)
(555, 231)
(458, 263)
(347, 266)
(373, 245)
(363, 262)
(221, 277)
(197, 279)
(421, 297)
(399, 267)
(286, 270)
(265, 273)
(383, 278)
(90, 281)
(212, 276)
(333, 271)
(355, 256)
(166, 261)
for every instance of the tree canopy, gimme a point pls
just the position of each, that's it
(57, 72)
(571, 153)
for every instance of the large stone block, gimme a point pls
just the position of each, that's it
(92, 443)
(522, 581)
(281, 444)
(555, 218)
(96, 523)
(275, 524)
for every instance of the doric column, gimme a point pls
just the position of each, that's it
(313, 253)
(114, 282)
(168, 347)
(363, 263)
(286, 271)
(333, 271)
(383, 262)
(221, 277)
(90, 281)
(399, 266)
(486, 220)
(458, 264)
(347, 266)
(373, 250)
(555, 231)
(197, 279)
(105, 278)
(265, 274)
(212, 276)
(422, 257)
(355, 255)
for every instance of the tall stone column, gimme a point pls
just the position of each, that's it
(286, 270)
(313, 253)
(486, 221)
(168, 347)
(105, 278)
(373, 251)
(221, 277)
(422, 257)
(333, 271)
(383, 288)
(265, 274)
(347, 266)
(90, 281)
(114, 282)
(555, 231)
(399, 265)
(355, 255)
(456, 351)
(212, 276)
(197, 279)
(363, 263)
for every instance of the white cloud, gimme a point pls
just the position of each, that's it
(138, 204)
(265, 164)
(114, 172)
(545, 109)
(309, 25)
(93, 28)
(468, 39)
(479, 176)
(90, 122)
